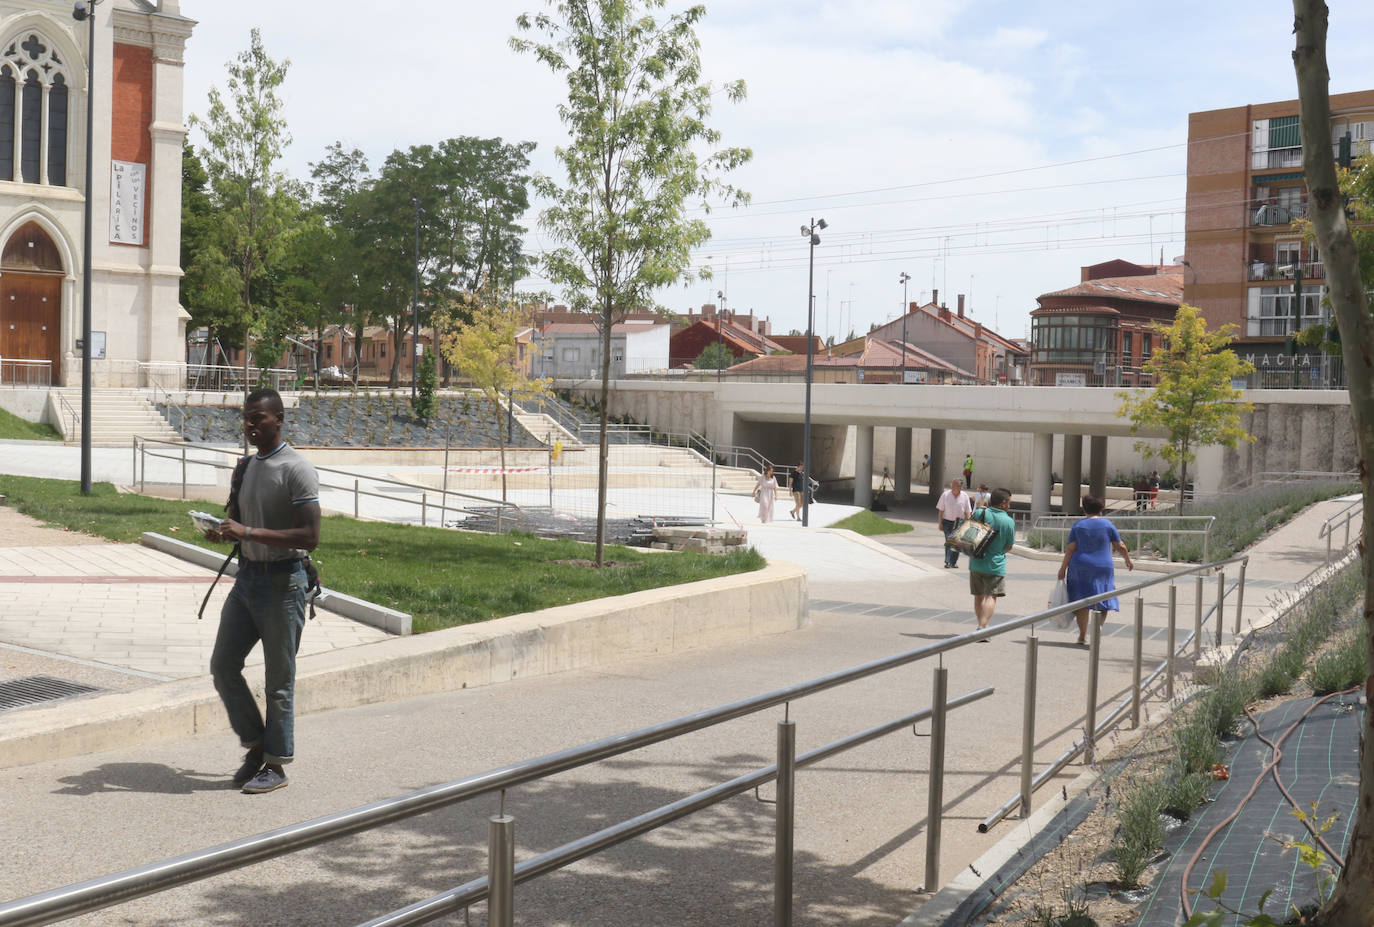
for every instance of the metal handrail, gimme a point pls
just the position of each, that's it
(72, 414)
(171, 405)
(1140, 525)
(1353, 509)
(506, 512)
(101, 892)
(30, 366)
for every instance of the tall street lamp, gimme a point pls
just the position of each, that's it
(809, 232)
(85, 10)
(415, 310)
(903, 281)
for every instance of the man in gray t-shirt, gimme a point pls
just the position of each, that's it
(275, 517)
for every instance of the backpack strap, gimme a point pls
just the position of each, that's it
(231, 508)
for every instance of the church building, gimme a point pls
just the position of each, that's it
(138, 325)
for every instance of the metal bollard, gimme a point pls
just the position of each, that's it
(1197, 619)
(501, 870)
(784, 824)
(1221, 601)
(1028, 725)
(1135, 663)
(1173, 630)
(936, 792)
(1090, 718)
(1240, 593)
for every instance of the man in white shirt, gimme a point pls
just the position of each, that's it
(954, 504)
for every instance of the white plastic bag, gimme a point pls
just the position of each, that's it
(1059, 595)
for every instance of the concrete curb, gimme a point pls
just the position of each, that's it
(879, 547)
(584, 635)
(360, 610)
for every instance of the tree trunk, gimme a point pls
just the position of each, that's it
(1183, 478)
(1352, 902)
(603, 464)
(500, 441)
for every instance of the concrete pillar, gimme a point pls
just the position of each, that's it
(901, 466)
(1042, 463)
(937, 462)
(1073, 474)
(1097, 466)
(863, 465)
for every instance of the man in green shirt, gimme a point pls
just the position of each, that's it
(987, 575)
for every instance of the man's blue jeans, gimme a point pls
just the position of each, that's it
(265, 605)
(951, 555)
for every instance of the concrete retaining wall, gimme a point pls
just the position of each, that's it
(571, 637)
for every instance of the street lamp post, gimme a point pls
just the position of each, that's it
(85, 9)
(415, 310)
(809, 232)
(720, 334)
(903, 280)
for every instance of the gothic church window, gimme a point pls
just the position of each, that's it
(33, 112)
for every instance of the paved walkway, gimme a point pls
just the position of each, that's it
(861, 815)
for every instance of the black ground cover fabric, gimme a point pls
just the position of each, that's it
(1320, 764)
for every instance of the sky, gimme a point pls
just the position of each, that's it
(981, 147)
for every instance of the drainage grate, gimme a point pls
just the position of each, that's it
(29, 690)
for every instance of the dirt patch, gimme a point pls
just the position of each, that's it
(608, 565)
(19, 530)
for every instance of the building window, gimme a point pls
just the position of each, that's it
(33, 98)
(572, 355)
(1144, 347)
(381, 349)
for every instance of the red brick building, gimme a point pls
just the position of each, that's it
(1100, 332)
(1243, 254)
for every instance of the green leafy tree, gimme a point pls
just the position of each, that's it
(716, 356)
(340, 180)
(1349, 258)
(253, 207)
(426, 383)
(1192, 403)
(639, 150)
(479, 339)
(205, 291)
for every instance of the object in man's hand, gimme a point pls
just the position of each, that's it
(206, 522)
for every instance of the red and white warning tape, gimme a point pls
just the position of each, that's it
(495, 470)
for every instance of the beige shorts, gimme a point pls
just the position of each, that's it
(987, 584)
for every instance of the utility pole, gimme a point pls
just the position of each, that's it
(903, 280)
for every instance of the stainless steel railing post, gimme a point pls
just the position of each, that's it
(1328, 545)
(1221, 600)
(424, 509)
(1090, 719)
(1173, 630)
(935, 799)
(1197, 618)
(501, 870)
(784, 823)
(1136, 658)
(355, 498)
(183, 471)
(1240, 594)
(1028, 726)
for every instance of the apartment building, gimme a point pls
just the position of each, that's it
(1245, 260)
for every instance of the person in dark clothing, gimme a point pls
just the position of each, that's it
(275, 518)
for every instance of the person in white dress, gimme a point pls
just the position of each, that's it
(765, 492)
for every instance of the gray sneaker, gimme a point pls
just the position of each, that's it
(252, 763)
(267, 780)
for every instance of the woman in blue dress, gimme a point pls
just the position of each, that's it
(1088, 566)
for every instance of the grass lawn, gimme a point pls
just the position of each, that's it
(865, 522)
(441, 577)
(13, 427)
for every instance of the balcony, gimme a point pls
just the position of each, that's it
(1268, 270)
(1273, 214)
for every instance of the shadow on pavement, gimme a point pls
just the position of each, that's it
(142, 777)
(655, 879)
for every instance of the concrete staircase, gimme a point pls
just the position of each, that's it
(543, 427)
(116, 416)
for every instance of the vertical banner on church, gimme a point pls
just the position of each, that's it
(128, 181)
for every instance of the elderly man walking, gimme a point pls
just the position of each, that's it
(953, 505)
